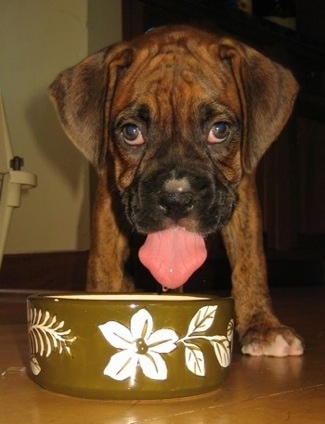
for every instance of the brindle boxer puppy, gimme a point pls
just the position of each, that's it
(175, 122)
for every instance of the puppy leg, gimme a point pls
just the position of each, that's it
(260, 331)
(109, 247)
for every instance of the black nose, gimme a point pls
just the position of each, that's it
(176, 205)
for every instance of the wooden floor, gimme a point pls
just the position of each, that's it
(258, 390)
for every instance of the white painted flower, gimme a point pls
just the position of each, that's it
(139, 346)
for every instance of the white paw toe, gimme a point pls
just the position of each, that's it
(279, 347)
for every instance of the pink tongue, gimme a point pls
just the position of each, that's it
(173, 255)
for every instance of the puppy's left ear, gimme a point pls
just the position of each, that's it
(82, 96)
(267, 93)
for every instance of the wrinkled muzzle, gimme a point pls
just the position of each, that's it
(176, 211)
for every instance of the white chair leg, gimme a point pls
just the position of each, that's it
(12, 182)
(5, 213)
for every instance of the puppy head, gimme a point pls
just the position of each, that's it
(180, 115)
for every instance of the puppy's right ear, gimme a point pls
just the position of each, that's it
(267, 93)
(82, 96)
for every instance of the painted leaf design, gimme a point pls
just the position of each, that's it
(202, 320)
(34, 365)
(230, 330)
(46, 333)
(221, 346)
(194, 359)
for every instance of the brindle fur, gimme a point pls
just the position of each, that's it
(174, 83)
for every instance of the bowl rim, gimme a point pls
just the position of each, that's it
(126, 298)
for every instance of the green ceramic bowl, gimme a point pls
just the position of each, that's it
(130, 346)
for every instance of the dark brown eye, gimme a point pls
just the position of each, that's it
(131, 134)
(219, 133)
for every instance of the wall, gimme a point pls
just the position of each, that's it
(38, 39)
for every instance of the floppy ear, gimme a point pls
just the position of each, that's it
(267, 93)
(82, 96)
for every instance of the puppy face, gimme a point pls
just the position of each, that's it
(175, 118)
(175, 135)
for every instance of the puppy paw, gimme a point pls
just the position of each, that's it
(279, 342)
